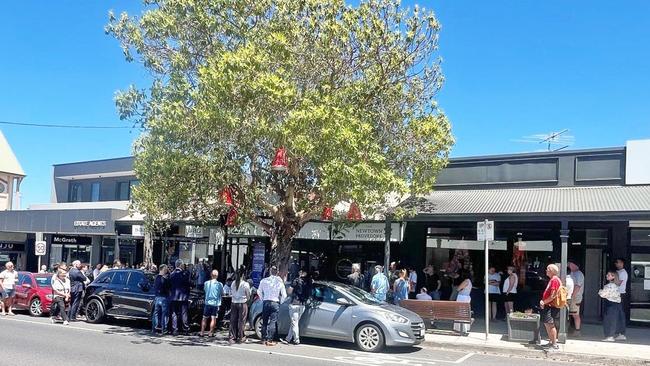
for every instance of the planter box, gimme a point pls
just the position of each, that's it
(523, 329)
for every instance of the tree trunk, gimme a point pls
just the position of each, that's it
(147, 250)
(281, 247)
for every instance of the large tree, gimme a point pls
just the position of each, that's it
(348, 91)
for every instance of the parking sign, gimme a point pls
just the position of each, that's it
(40, 248)
(485, 230)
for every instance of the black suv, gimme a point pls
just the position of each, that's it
(128, 293)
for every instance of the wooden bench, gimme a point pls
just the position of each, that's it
(432, 311)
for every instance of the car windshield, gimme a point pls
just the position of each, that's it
(44, 281)
(359, 294)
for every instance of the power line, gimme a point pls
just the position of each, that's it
(25, 124)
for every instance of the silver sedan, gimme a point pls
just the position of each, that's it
(344, 313)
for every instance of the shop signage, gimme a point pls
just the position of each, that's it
(466, 244)
(247, 230)
(259, 253)
(192, 231)
(40, 248)
(66, 239)
(370, 231)
(485, 230)
(137, 230)
(14, 247)
(315, 231)
(90, 223)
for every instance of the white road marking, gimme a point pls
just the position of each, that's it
(464, 358)
(352, 357)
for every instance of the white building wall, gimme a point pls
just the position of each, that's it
(637, 162)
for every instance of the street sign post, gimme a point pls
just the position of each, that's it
(40, 248)
(485, 232)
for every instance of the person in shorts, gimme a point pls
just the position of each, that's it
(8, 280)
(576, 296)
(213, 292)
(550, 314)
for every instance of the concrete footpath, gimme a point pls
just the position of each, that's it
(586, 348)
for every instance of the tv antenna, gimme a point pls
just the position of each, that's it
(555, 141)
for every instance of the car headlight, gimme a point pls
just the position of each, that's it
(49, 297)
(396, 318)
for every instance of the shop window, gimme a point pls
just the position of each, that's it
(75, 192)
(640, 237)
(640, 288)
(94, 191)
(597, 237)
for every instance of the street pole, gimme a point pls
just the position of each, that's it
(564, 236)
(487, 282)
(387, 234)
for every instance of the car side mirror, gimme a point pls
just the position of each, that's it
(343, 301)
(144, 286)
(27, 285)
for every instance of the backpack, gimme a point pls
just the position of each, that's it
(560, 299)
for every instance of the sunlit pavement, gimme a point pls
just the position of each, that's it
(29, 341)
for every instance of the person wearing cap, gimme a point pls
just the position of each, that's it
(272, 292)
(379, 284)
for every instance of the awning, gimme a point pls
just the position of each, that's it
(564, 200)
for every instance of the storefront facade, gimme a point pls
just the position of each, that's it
(588, 199)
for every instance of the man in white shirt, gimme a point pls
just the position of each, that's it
(8, 280)
(622, 289)
(576, 296)
(272, 292)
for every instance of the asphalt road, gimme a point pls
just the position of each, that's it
(34, 341)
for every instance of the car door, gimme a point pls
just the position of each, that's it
(117, 292)
(324, 318)
(138, 297)
(23, 288)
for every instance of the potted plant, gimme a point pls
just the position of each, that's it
(522, 327)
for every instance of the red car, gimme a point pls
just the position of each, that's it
(34, 293)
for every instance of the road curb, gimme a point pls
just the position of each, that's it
(540, 354)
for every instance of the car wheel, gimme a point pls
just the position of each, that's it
(94, 311)
(258, 327)
(369, 338)
(35, 307)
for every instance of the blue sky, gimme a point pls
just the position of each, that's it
(513, 69)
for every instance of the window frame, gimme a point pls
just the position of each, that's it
(92, 191)
(78, 197)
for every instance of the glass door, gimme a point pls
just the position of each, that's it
(640, 276)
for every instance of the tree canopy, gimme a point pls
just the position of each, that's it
(348, 91)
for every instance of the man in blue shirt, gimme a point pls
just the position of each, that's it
(213, 292)
(379, 284)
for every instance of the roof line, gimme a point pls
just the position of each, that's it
(543, 154)
(92, 161)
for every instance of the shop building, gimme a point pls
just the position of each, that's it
(596, 202)
(12, 245)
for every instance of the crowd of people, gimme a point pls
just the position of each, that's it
(172, 290)
(401, 284)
